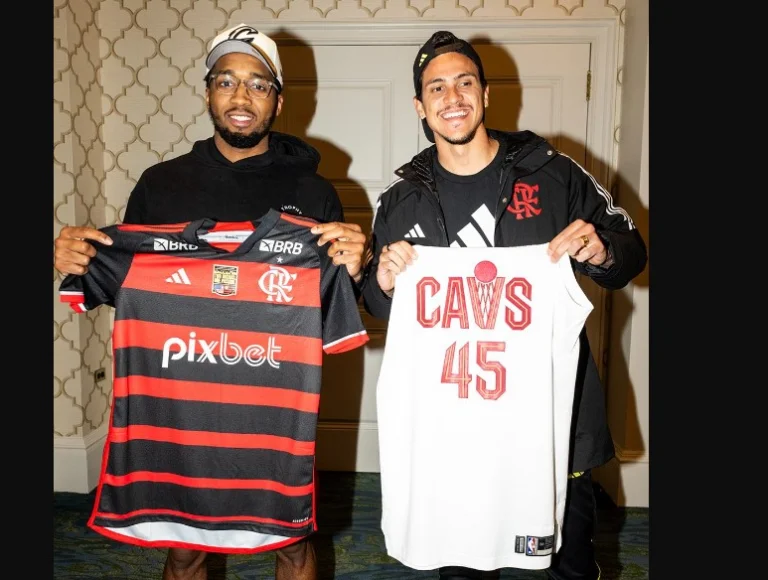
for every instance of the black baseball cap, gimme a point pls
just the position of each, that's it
(442, 42)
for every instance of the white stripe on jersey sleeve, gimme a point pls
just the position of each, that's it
(612, 209)
(75, 299)
(344, 339)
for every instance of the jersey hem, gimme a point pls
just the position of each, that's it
(190, 546)
(522, 563)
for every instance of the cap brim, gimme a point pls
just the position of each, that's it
(234, 46)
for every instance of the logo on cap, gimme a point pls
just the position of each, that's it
(245, 33)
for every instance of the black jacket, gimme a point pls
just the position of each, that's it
(541, 191)
(203, 183)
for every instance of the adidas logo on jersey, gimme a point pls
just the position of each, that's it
(415, 232)
(280, 246)
(162, 245)
(178, 277)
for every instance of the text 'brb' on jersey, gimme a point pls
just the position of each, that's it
(474, 403)
(218, 340)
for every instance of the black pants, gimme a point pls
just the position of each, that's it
(576, 558)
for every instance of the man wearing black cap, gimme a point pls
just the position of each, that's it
(482, 187)
(237, 175)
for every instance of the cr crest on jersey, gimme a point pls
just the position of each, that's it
(276, 284)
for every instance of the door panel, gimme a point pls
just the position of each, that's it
(360, 117)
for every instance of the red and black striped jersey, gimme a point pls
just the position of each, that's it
(218, 339)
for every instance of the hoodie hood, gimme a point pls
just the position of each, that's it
(293, 151)
(284, 149)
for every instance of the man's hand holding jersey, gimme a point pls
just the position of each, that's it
(73, 253)
(347, 243)
(394, 258)
(580, 240)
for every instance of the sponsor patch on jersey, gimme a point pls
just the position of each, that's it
(224, 280)
(280, 246)
(535, 545)
(163, 245)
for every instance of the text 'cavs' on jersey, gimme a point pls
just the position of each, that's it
(474, 404)
(219, 334)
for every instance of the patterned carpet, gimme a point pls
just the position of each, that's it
(349, 542)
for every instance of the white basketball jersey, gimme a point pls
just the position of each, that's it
(474, 407)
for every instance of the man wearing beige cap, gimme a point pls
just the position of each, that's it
(164, 488)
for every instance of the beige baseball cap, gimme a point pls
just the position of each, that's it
(247, 40)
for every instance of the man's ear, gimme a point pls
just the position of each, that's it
(417, 104)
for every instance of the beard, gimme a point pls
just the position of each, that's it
(462, 140)
(243, 140)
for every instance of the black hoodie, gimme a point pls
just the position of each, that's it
(204, 184)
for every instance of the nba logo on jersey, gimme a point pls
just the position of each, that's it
(530, 547)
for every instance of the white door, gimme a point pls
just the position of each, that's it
(354, 104)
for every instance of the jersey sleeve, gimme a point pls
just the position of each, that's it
(105, 275)
(590, 201)
(343, 328)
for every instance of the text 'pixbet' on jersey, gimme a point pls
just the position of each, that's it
(229, 352)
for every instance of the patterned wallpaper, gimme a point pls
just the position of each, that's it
(128, 93)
